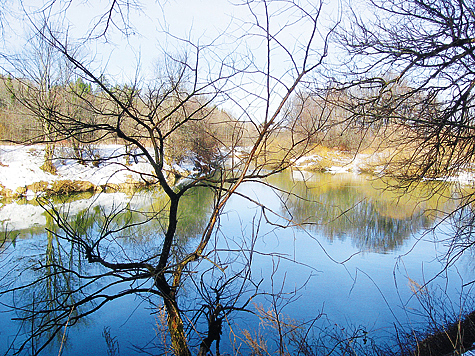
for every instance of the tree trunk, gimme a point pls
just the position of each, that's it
(48, 165)
(176, 330)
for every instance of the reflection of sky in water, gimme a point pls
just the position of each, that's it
(369, 289)
(372, 286)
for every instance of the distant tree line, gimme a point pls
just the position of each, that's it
(25, 118)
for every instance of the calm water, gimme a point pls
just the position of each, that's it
(352, 252)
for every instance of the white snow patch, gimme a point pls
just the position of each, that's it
(338, 169)
(464, 178)
(306, 160)
(20, 166)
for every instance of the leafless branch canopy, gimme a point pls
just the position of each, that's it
(412, 68)
(164, 122)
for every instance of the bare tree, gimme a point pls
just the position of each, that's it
(150, 118)
(409, 73)
(413, 81)
(38, 92)
(413, 68)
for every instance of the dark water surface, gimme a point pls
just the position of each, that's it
(354, 253)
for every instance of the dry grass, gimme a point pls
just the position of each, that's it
(65, 187)
(49, 167)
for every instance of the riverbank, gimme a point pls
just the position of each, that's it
(112, 169)
(21, 175)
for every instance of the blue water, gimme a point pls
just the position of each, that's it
(352, 270)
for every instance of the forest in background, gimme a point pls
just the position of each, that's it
(323, 119)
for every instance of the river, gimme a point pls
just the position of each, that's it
(354, 257)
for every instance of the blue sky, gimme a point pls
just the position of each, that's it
(200, 21)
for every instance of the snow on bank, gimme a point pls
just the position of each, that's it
(334, 163)
(464, 178)
(337, 162)
(20, 167)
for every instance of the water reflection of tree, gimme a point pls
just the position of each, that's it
(343, 207)
(138, 222)
(371, 231)
(42, 269)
